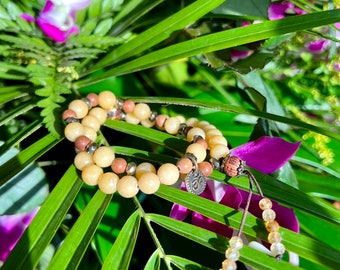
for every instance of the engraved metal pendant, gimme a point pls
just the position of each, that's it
(195, 182)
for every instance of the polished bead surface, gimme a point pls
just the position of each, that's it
(107, 182)
(142, 111)
(73, 131)
(93, 98)
(184, 165)
(168, 174)
(148, 182)
(144, 167)
(195, 131)
(107, 100)
(82, 143)
(191, 122)
(229, 265)
(268, 215)
(91, 122)
(206, 168)
(91, 173)
(103, 156)
(232, 254)
(219, 151)
(99, 113)
(128, 106)
(90, 133)
(69, 114)
(131, 118)
(272, 226)
(79, 107)
(160, 120)
(82, 159)
(265, 203)
(198, 151)
(277, 249)
(236, 242)
(232, 166)
(119, 165)
(274, 237)
(172, 125)
(217, 139)
(127, 186)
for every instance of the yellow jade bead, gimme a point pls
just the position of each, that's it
(82, 159)
(265, 203)
(147, 123)
(107, 100)
(99, 113)
(168, 174)
(198, 151)
(148, 183)
(132, 119)
(127, 186)
(212, 132)
(91, 173)
(103, 156)
(172, 125)
(277, 249)
(202, 124)
(142, 111)
(90, 133)
(73, 131)
(79, 107)
(91, 122)
(219, 151)
(191, 122)
(268, 215)
(180, 118)
(144, 167)
(217, 139)
(228, 265)
(195, 131)
(107, 182)
(274, 237)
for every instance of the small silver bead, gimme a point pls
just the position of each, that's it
(71, 120)
(91, 148)
(87, 101)
(215, 163)
(131, 168)
(120, 103)
(153, 116)
(182, 129)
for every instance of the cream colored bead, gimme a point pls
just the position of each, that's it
(149, 183)
(79, 107)
(90, 133)
(219, 151)
(168, 174)
(209, 127)
(73, 131)
(99, 113)
(195, 131)
(180, 118)
(91, 122)
(172, 125)
(82, 159)
(147, 123)
(132, 119)
(142, 111)
(107, 100)
(127, 186)
(198, 151)
(191, 122)
(202, 124)
(212, 132)
(265, 203)
(277, 249)
(91, 174)
(144, 167)
(103, 156)
(268, 215)
(107, 182)
(217, 139)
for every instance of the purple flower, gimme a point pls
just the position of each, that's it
(57, 19)
(280, 10)
(266, 155)
(11, 229)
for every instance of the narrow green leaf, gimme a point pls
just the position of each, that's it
(213, 42)
(29, 249)
(25, 107)
(183, 263)
(26, 156)
(6, 97)
(153, 262)
(121, 252)
(217, 242)
(74, 246)
(159, 32)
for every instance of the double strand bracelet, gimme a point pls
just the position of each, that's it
(208, 150)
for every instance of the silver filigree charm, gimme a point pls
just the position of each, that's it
(195, 182)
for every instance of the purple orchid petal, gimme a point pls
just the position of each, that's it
(77, 4)
(11, 229)
(179, 212)
(318, 46)
(27, 17)
(240, 54)
(266, 154)
(278, 10)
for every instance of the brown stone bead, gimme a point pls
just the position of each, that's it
(128, 106)
(68, 114)
(160, 120)
(93, 98)
(82, 142)
(184, 165)
(118, 165)
(202, 142)
(206, 168)
(231, 166)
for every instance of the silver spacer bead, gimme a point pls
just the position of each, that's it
(131, 168)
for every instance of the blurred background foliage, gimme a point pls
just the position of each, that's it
(178, 57)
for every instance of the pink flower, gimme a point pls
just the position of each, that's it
(11, 229)
(266, 155)
(57, 19)
(282, 9)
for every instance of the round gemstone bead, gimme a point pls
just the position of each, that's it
(82, 159)
(91, 174)
(127, 186)
(268, 215)
(91, 122)
(99, 113)
(236, 242)
(216, 140)
(168, 174)
(107, 100)
(119, 165)
(107, 182)
(160, 121)
(103, 156)
(229, 265)
(265, 203)
(132, 119)
(90, 133)
(142, 111)
(73, 131)
(148, 182)
(184, 165)
(82, 143)
(172, 125)
(232, 166)
(219, 151)
(272, 226)
(232, 254)
(79, 107)
(277, 249)
(128, 106)
(274, 237)
(93, 98)
(198, 151)
(206, 168)
(69, 114)
(195, 131)
(144, 167)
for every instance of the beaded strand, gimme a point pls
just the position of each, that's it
(208, 150)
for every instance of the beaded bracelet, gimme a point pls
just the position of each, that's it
(84, 118)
